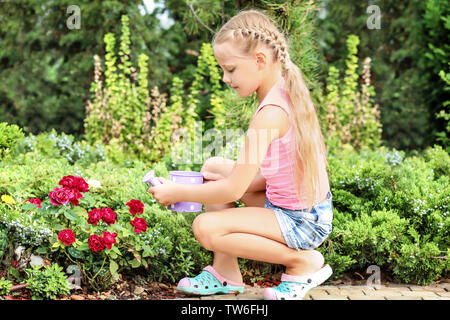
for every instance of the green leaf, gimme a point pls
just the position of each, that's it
(75, 252)
(116, 250)
(79, 210)
(58, 227)
(41, 250)
(83, 247)
(71, 215)
(29, 206)
(135, 263)
(14, 272)
(113, 267)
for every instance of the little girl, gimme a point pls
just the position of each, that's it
(288, 201)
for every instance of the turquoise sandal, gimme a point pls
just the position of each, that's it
(209, 282)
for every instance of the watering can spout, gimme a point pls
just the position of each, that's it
(150, 178)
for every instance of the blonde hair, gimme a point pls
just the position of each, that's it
(251, 28)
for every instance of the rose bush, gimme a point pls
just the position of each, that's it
(99, 240)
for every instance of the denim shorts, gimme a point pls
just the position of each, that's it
(302, 229)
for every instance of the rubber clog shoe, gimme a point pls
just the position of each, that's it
(208, 282)
(294, 287)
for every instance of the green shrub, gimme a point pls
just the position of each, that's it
(10, 135)
(5, 286)
(3, 240)
(48, 283)
(382, 202)
(61, 145)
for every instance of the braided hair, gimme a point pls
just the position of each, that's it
(252, 28)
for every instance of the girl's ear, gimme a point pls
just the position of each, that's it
(261, 59)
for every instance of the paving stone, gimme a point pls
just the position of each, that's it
(398, 285)
(418, 293)
(382, 293)
(435, 298)
(346, 292)
(255, 295)
(428, 288)
(328, 297)
(318, 291)
(393, 289)
(364, 297)
(444, 294)
(351, 291)
(446, 286)
(333, 290)
(404, 298)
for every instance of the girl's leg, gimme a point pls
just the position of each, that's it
(253, 233)
(225, 264)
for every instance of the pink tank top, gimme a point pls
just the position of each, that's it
(278, 164)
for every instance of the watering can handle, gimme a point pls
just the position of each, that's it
(150, 178)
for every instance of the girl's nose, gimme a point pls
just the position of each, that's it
(226, 79)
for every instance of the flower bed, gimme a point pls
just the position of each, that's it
(389, 210)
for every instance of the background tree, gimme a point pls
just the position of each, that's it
(407, 53)
(46, 68)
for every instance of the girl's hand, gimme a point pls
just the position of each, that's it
(165, 193)
(212, 176)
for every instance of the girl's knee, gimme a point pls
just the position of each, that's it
(202, 228)
(313, 258)
(214, 164)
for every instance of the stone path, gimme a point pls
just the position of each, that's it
(349, 292)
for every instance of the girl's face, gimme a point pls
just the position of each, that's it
(242, 73)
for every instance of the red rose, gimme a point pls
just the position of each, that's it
(68, 182)
(109, 239)
(60, 196)
(139, 225)
(94, 216)
(109, 216)
(82, 185)
(135, 206)
(74, 182)
(36, 201)
(67, 236)
(96, 243)
(75, 196)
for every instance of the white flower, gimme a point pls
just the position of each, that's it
(94, 183)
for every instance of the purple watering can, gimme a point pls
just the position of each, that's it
(182, 177)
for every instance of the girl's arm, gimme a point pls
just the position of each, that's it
(269, 124)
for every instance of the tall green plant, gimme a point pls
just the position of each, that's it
(204, 93)
(352, 116)
(443, 136)
(161, 135)
(122, 112)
